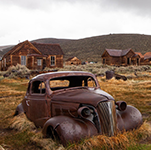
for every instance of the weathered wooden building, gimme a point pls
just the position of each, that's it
(73, 61)
(120, 57)
(147, 58)
(34, 56)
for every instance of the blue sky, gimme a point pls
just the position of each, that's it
(71, 19)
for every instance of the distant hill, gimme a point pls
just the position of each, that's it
(3, 49)
(91, 48)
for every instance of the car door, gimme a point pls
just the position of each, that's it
(37, 103)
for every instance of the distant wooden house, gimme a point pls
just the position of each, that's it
(120, 57)
(34, 56)
(73, 61)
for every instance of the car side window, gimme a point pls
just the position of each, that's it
(38, 87)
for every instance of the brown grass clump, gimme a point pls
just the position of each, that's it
(143, 132)
(20, 123)
(119, 141)
(20, 71)
(46, 143)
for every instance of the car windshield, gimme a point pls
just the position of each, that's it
(71, 81)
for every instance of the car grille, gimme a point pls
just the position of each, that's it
(107, 117)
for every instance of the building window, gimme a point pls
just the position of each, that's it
(38, 62)
(23, 60)
(52, 60)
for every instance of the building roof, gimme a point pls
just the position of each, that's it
(42, 49)
(115, 52)
(69, 59)
(17, 47)
(147, 55)
(49, 49)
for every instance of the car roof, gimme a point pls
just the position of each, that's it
(45, 76)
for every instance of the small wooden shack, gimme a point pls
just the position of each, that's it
(34, 56)
(73, 61)
(120, 57)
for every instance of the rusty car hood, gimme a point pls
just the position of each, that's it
(85, 96)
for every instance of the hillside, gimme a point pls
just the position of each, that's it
(4, 49)
(91, 48)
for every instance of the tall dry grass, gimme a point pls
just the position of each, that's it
(23, 134)
(20, 123)
(120, 141)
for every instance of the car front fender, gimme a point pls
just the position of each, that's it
(130, 118)
(69, 129)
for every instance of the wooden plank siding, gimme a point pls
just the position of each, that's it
(35, 56)
(59, 61)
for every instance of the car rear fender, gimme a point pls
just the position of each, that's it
(130, 118)
(69, 129)
(19, 109)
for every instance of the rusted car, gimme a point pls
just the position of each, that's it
(71, 106)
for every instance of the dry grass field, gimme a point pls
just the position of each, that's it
(17, 133)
